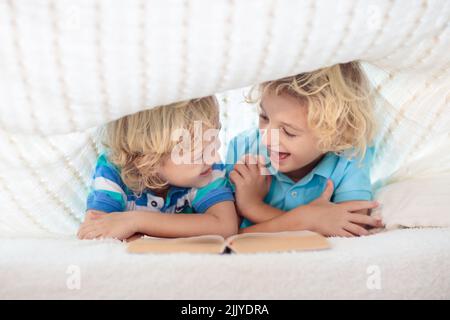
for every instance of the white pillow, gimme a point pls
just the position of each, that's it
(421, 202)
(418, 194)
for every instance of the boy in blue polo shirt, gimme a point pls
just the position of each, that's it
(308, 164)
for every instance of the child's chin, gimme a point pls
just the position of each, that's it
(282, 167)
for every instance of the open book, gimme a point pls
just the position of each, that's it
(240, 243)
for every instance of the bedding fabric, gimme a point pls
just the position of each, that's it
(66, 68)
(400, 264)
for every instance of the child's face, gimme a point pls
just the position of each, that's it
(196, 172)
(297, 147)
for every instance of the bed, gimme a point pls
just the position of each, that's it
(398, 264)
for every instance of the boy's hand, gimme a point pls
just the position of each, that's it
(113, 225)
(332, 219)
(252, 182)
(92, 214)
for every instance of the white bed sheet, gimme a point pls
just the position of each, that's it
(410, 263)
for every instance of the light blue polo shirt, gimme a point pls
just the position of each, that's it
(351, 177)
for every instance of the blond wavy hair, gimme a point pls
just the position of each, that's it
(340, 105)
(139, 142)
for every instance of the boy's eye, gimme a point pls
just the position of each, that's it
(263, 117)
(288, 134)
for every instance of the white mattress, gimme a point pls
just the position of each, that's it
(410, 263)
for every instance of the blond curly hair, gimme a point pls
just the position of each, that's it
(340, 105)
(139, 142)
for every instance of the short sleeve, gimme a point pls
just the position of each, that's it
(355, 183)
(107, 191)
(218, 190)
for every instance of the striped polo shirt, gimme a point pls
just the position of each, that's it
(109, 193)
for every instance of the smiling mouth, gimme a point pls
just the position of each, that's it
(279, 156)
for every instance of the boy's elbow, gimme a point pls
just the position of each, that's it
(226, 220)
(228, 228)
(229, 231)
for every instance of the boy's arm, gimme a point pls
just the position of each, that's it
(220, 219)
(260, 212)
(315, 218)
(311, 216)
(362, 211)
(281, 221)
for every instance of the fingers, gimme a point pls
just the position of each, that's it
(362, 219)
(345, 233)
(264, 170)
(242, 169)
(93, 214)
(359, 205)
(93, 235)
(262, 165)
(249, 159)
(252, 164)
(356, 230)
(327, 193)
(85, 230)
(236, 178)
(262, 161)
(81, 232)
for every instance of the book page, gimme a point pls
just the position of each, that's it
(200, 244)
(277, 241)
